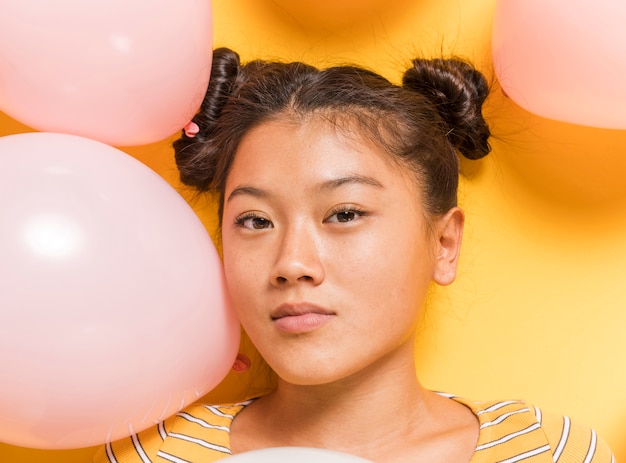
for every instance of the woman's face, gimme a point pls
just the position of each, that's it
(327, 253)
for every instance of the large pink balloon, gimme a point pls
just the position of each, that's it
(564, 60)
(113, 313)
(124, 72)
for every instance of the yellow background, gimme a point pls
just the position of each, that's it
(538, 311)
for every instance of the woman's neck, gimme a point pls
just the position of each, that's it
(381, 413)
(362, 414)
(372, 394)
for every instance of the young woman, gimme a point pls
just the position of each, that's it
(338, 207)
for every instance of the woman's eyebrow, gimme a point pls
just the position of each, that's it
(350, 179)
(247, 190)
(326, 185)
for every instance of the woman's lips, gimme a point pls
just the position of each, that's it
(300, 318)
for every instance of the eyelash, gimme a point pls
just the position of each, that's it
(240, 221)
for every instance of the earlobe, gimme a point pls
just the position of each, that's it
(449, 234)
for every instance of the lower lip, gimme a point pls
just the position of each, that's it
(298, 324)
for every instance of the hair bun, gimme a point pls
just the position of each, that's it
(458, 91)
(224, 71)
(191, 152)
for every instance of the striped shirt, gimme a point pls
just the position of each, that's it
(510, 431)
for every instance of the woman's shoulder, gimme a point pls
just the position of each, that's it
(516, 430)
(201, 431)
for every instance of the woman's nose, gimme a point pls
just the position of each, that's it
(298, 258)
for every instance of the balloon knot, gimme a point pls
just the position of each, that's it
(191, 129)
(242, 363)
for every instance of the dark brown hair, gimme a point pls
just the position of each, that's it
(435, 113)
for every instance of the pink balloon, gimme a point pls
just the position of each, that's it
(124, 72)
(292, 454)
(113, 313)
(564, 60)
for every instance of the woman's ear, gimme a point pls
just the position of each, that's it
(448, 236)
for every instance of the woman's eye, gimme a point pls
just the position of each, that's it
(343, 216)
(253, 222)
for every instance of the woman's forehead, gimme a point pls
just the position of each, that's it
(310, 156)
(308, 139)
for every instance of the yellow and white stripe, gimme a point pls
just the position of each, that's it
(510, 431)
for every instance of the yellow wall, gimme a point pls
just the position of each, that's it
(538, 309)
